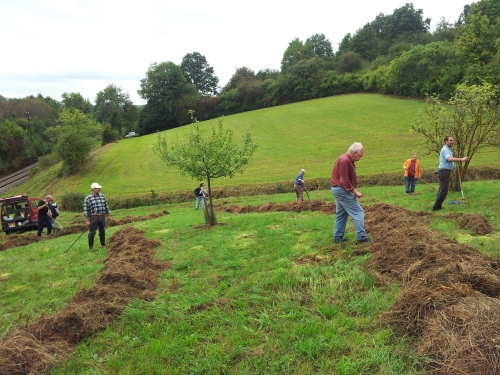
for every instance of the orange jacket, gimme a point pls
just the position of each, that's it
(406, 165)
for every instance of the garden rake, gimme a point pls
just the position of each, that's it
(464, 201)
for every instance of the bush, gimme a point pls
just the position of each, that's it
(72, 202)
(109, 134)
(48, 161)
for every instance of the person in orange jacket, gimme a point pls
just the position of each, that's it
(412, 173)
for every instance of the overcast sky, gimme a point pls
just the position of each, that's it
(56, 46)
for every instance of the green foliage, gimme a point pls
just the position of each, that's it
(114, 107)
(199, 73)
(208, 156)
(471, 116)
(476, 43)
(76, 135)
(109, 134)
(72, 201)
(296, 52)
(321, 46)
(48, 160)
(163, 89)
(11, 144)
(75, 100)
(350, 62)
(423, 70)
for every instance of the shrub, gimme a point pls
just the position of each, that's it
(72, 202)
(48, 161)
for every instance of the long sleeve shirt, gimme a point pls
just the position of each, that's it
(408, 168)
(344, 173)
(95, 205)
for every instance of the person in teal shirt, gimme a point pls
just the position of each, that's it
(446, 160)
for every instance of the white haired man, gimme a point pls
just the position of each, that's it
(345, 194)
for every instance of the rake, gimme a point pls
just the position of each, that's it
(464, 201)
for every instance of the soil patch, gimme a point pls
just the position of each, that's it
(130, 271)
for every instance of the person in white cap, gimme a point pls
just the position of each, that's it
(95, 210)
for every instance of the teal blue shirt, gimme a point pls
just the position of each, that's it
(443, 156)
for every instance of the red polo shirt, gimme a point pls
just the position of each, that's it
(344, 173)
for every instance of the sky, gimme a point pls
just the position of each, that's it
(50, 47)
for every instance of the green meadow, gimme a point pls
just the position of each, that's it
(264, 293)
(308, 135)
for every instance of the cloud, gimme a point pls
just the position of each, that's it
(58, 46)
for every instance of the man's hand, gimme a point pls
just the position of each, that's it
(87, 221)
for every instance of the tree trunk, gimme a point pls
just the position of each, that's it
(209, 208)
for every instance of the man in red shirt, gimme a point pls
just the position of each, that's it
(345, 194)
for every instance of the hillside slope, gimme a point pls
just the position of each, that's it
(308, 135)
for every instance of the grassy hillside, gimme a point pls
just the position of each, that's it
(308, 135)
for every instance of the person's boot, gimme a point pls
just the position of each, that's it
(103, 240)
(91, 244)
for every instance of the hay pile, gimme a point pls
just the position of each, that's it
(130, 271)
(449, 294)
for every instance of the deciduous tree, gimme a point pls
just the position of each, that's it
(472, 116)
(295, 52)
(199, 73)
(321, 46)
(207, 156)
(76, 136)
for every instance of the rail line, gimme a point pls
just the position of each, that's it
(16, 178)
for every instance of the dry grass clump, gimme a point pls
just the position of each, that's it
(475, 222)
(130, 271)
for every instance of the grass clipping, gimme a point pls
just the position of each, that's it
(449, 291)
(130, 272)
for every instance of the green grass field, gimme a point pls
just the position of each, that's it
(308, 135)
(244, 297)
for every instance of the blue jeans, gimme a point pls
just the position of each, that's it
(198, 200)
(347, 205)
(410, 183)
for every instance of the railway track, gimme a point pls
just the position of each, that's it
(15, 178)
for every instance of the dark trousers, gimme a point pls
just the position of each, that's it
(97, 222)
(44, 220)
(444, 181)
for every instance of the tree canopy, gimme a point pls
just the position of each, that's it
(199, 73)
(207, 155)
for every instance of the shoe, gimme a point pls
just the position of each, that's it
(91, 249)
(339, 240)
(437, 208)
(103, 245)
(407, 193)
(364, 240)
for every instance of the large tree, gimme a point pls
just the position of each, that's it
(472, 116)
(321, 46)
(163, 89)
(208, 156)
(199, 74)
(75, 100)
(76, 134)
(295, 52)
(113, 106)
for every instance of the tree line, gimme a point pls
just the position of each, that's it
(393, 54)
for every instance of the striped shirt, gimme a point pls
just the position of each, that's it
(95, 205)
